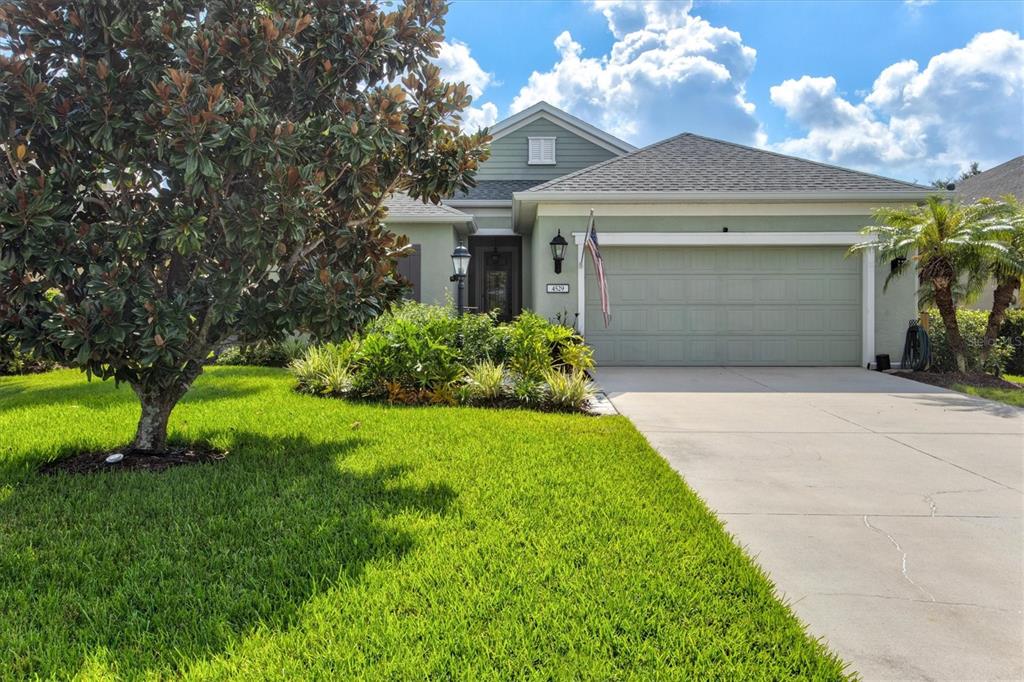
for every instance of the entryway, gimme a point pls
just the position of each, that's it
(495, 282)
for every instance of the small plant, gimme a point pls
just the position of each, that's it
(568, 391)
(265, 353)
(485, 383)
(528, 391)
(576, 356)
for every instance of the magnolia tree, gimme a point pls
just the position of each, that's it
(178, 173)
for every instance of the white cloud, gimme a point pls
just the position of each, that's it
(965, 105)
(458, 65)
(667, 72)
(918, 3)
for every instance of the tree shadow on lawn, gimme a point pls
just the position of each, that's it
(161, 570)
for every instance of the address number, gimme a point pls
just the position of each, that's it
(558, 288)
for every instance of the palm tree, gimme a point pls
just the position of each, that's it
(1002, 239)
(941, 238)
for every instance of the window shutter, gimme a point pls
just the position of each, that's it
(541, 150)
(409, 269)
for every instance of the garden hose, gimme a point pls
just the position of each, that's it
(916, 352)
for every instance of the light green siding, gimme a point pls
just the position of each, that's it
(727, 306)
(893, 308)
(435, 242)
(509, 154)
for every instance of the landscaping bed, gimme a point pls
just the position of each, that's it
(428, 355)
(979, 385)
(348, 540)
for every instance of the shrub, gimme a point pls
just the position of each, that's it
(972, 328)
(568, 391)
(484, 382)
(324, 370)
(1012, 332)
(14, 360)
(527, 391)
(265, 353)
(419, 354)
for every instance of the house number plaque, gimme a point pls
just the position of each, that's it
(558, 288)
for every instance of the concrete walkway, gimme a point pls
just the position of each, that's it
(887, 512)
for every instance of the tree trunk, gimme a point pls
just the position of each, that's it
(151, 434)
(1001, 299)
(944, 302)
(157, 405)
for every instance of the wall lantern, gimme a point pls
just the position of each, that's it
(558, 245)
(460, 265)
(896, 263)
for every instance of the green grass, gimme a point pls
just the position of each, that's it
(430, 542)
(1010, 396)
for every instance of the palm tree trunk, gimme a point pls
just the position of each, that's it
(1001, 299)
(947, 310)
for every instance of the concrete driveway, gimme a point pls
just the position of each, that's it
(887, 512)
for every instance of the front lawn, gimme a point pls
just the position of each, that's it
(340, 540)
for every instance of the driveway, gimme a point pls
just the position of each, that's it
(887, 512)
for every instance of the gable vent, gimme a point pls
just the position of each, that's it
(542, 151)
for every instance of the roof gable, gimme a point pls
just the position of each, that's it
(689, 163)
(543, 110)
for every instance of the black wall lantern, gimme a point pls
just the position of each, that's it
(460, 265)
(896, 263)
(558, 245)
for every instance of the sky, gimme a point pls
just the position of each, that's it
(911, 89)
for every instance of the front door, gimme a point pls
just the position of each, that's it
(494, 275)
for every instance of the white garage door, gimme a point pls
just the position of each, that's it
(694, 305)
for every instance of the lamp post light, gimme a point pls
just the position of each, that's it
(460, 265)
(558, 245)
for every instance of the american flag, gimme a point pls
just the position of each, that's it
(595, 255)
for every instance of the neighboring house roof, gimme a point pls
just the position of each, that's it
(1006, 178)
(493, 190)
(403, 208)
(577, 125)
(692, 165)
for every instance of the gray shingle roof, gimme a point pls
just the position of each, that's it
(1006, 178)
(691, 163)
(494, 190)
(403, 207)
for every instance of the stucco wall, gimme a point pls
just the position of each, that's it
(893, 308)
(436, 242)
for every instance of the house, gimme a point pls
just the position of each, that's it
(1006, 178)
(715, 253)
(995, 183)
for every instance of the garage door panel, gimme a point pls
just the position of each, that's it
(727, 305)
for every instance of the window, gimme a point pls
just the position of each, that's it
(542, 151)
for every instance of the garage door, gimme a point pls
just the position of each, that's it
(727, 306)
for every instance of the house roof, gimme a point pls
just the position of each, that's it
(563, 118)
(403, 208)
(692, 164)
(1006, 178)
(493, 190)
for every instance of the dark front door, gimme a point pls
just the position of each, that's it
(494, 275)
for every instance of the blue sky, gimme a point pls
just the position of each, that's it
(825, 80)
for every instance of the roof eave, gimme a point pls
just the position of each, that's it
(479, 203)
(716, 197)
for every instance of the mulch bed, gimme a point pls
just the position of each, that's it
(948, 379)
(134, 460)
